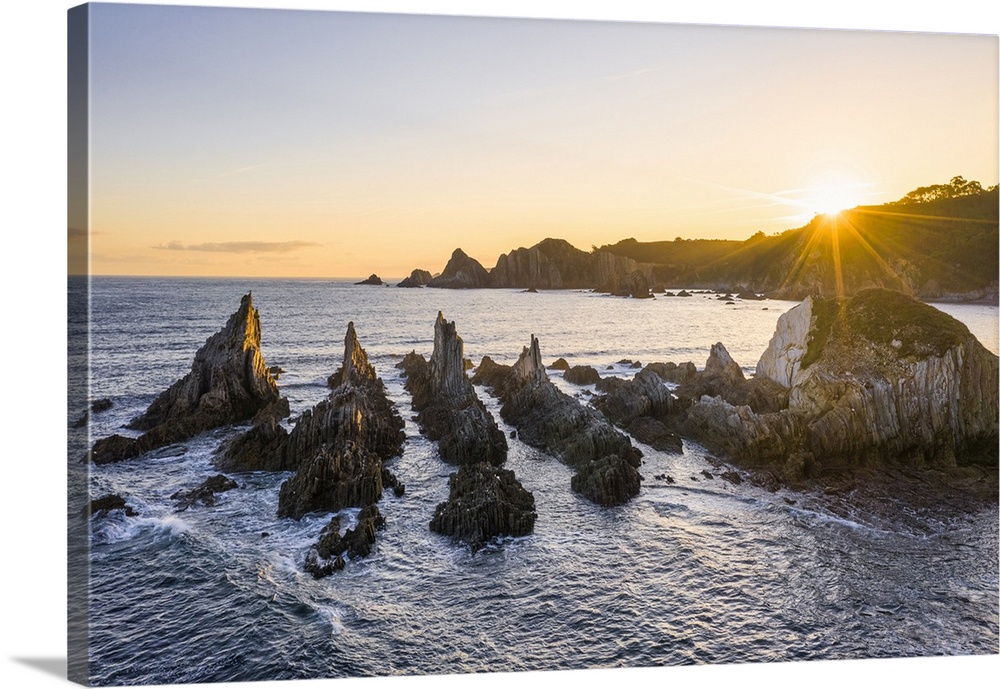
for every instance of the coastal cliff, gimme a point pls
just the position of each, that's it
(878, 379)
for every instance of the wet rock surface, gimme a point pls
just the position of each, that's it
(332, 551)
(550, 420)
(229, 382)
(108, 503)
(484, 503)
(205, 493)
(331, 480)
(449, 411)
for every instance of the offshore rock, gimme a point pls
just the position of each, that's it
(641, 406)
(878, 379)
(356, 412)
(332, 480)
(229, 383)
(484, 503)
(607, 481)
(328, 555)
(448, 409)
(372, 279)
(418, 278)
(550, 420)
(461, 272)
(205, 493)
(559, 364)
(582, 375)
(103, 505)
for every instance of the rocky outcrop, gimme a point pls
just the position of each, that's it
(641, 407)
(418, 278)
(550, 264)
(875, 380)
(332, 480)
(552, 421)
(607, 481)
(449, 411)
(582, 375)
(461, 272)
(559, 364)
(484, 503)
(328, 554)
(205, 493)
(229, 382)
(104, 505)
(372, 279)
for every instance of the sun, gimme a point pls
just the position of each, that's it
(833, 198)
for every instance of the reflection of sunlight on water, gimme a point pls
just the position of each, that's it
(700, 570)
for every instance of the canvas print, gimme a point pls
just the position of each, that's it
(430, 344)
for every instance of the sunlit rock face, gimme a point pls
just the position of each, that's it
(229, 382)
(782, 359)
(877, 378)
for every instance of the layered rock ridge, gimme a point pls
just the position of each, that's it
(546, 418)
(878, 379)
(485, 502)
(229, 383)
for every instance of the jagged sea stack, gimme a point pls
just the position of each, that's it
(229, 382)
(550, 420)
(484, 501)
(342, 440)
(449, 410)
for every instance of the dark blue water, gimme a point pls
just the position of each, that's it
(696, 572)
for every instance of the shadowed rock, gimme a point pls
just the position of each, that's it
(640, 406)
(332, 480)
(484, 503)
(582, 375)
(357, 411)
(449, 411)
(461, 272)
(559, 364)
(372, 279)
(103, 505)
(418, 278)
(550, 420)
(329, 553)
(205, 493)
(607, 481)
(229, 383)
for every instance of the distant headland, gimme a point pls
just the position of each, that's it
(938, 242)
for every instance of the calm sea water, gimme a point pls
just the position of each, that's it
(696, 572)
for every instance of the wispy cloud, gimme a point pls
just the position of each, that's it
(239, 247)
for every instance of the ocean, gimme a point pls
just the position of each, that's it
(699, 571)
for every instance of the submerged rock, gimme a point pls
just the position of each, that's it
(450, 412)
(484, 503)
(552, 421)
(229, 382)
(205, 493)
(879, 379)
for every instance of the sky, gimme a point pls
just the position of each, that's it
(330, 144)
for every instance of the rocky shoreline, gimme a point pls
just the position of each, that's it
(877, 402)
